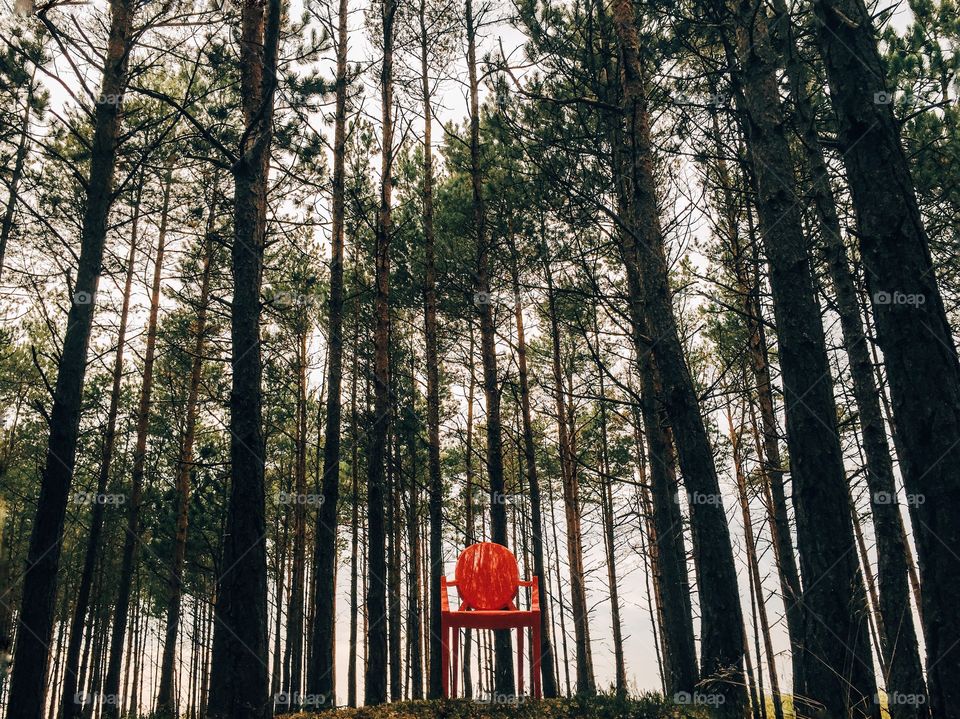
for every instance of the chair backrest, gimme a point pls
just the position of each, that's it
(487, 576)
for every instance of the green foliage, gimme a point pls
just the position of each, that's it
(648, 706)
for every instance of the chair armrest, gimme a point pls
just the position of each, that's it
(444, 596)
(534, 584)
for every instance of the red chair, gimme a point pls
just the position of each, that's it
(487, 580)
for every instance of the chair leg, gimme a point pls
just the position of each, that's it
(535, 658)
(444, 659)
(520, 661)
(456, 661)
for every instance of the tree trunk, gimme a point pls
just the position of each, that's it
(771, 462)
(395, 535)
(131, 540)
(434, 689)
(586, 683)
(533, 480)
(754, 569)
(46, 538)
(321, 674)
(899, 642)
(609, 534)
(354, 516)
(375, 681)
(166, 705)
(13, 186)
(238, 671)
(68, 706)
(295, 615)
(504, 679)
(652, 314)
(839, 674)
(413, 571)
(912, 327)
(470, 533)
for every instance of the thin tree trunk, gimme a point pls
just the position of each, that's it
(533, 480)
(559, 585)
(295, 615)
(38, 597)
(375, 681)
(470, 533)
(165, 694)
(415, 661)
(586, 683)
(321, 674)
(606, 500)
(394, 533)
(354, 518)
(754, 568)
(434, 689)
(68, 706)
(131, 540)
(504, 679)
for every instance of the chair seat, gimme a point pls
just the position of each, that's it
(491, 618)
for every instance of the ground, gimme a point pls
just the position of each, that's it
(603, 707)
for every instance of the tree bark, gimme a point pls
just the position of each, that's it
(131, 540)
(166, 704)
(68, 705)
(651, 307)
(238, 671)
(838, 668)
(321, 673)
(912, 327)
(375, 681)
(43, 557)
(547, 669)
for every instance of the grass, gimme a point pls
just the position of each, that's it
(602, 707)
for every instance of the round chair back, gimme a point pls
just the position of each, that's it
(487, 576)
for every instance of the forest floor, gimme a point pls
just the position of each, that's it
(602, 707)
